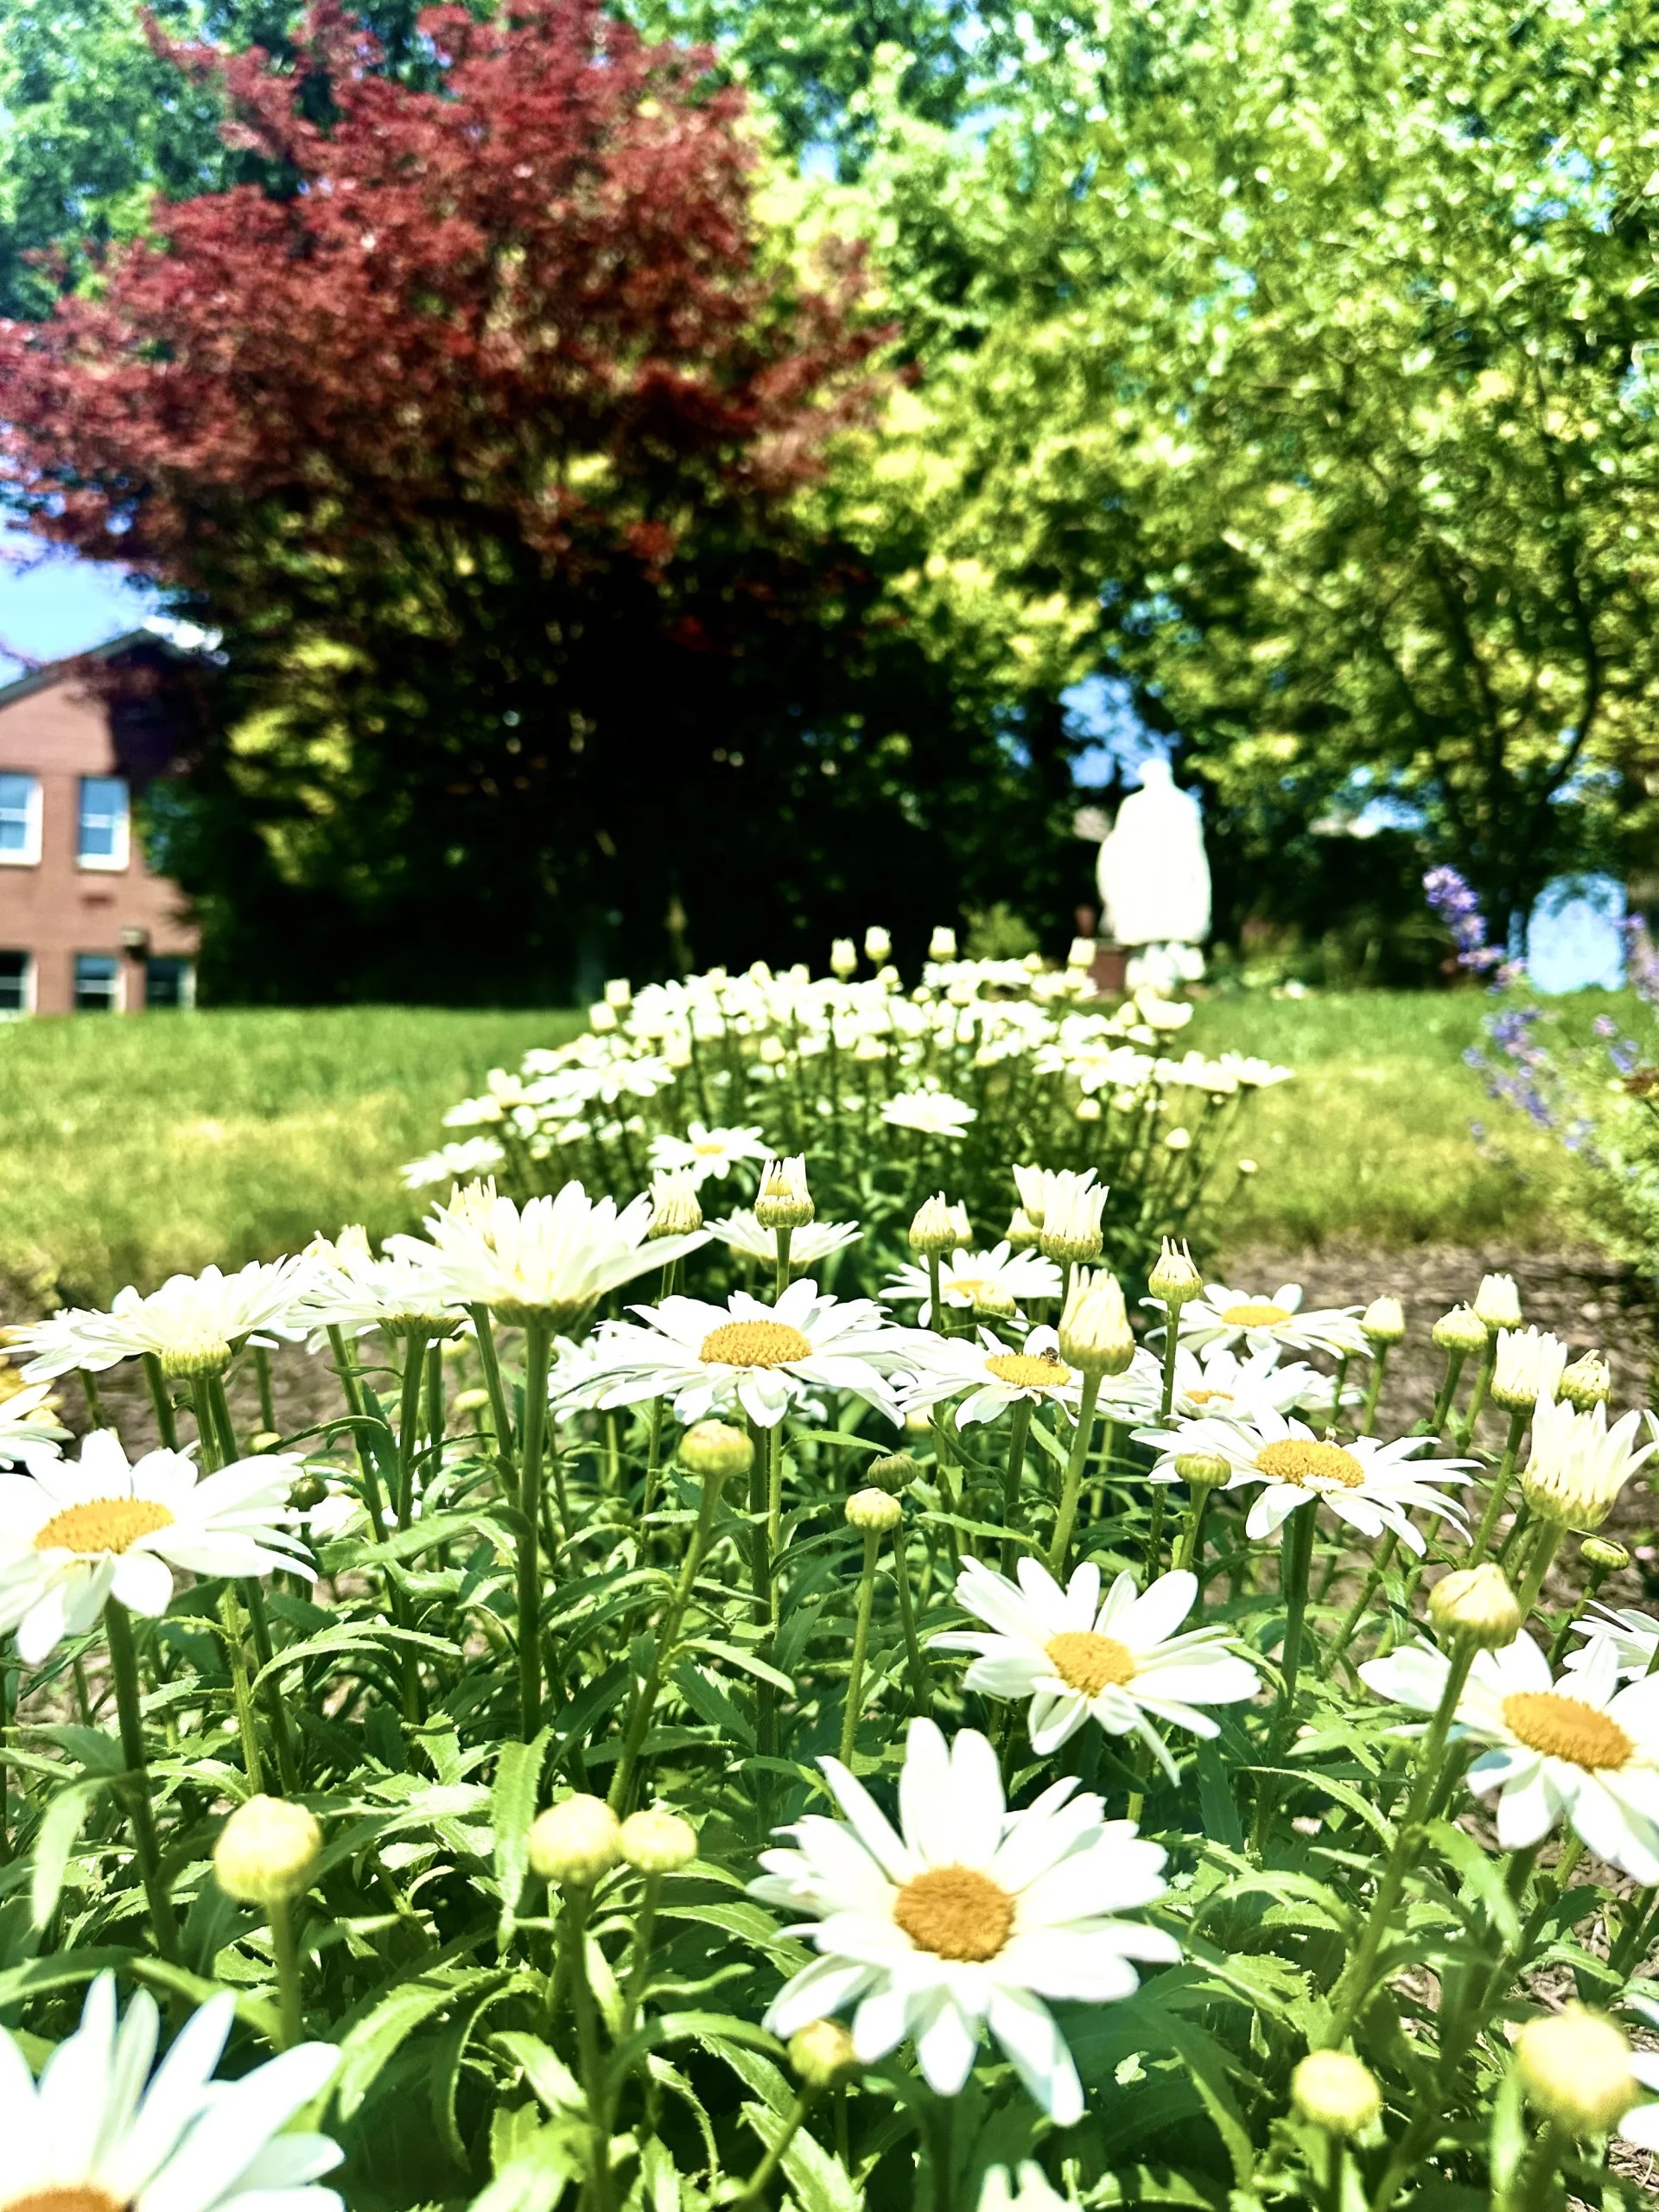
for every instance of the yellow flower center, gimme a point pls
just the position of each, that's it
(956, 1912)
(1208, 1397)
(1089, 1662)
(1565, 1728)
(1255, 1314)
(708, 1151)
(970, 1286)
(754, 1344)
(1298, 1459)
(103, 1524)
(76, 2196)
(1026, 1371)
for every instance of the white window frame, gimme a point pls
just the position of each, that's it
(114, 862)
(30, 855)
(118, 1000)
(31, 972)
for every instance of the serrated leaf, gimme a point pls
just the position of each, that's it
(89, 1747)
(513, 1801)
(382, 2031)
(710, 1703)
(748, 1661)
(545, 2071)
(53, 1841)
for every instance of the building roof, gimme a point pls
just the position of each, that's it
(61, 671)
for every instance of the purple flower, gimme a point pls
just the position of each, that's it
(1605, 1026)
(1456, 905)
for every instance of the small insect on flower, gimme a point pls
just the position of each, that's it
(1121, 1663)
(966, 1918)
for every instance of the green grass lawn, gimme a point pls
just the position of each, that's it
(131, 1147)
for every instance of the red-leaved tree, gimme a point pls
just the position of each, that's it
(474, 427)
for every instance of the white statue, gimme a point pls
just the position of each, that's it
(1154, 881)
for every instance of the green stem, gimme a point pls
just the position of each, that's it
(285, 1951)
(1073, 1479)
(1172, 1346)
(782, 1239)
(538, 1345)
(760, 1573)
(935, 1302)
(489, 1360)
(436, 1411)
(1188, 1551)
(262, 1376)
(1340, 1377)
(860, 1646)
(1362, 1604)
(1544, 1552)
(667, 1643)
(229, 1449)
(345, 1368)
(1537, 2189)
(409, 1423)
(161, 1401)
(1448, 1391)
(1465, 1427)
(1296, 1558)
(254, 1598)
(1374, 1391)
(590, 2055)
(123, 1667)
(653, 1460)
(95, 1412)
(1500, 1487)
(645, 1930)
(768, 2166)
(1353, 1987)
(775, 1505)
(907, 1621)
(1019, 1427)
(236, 1658)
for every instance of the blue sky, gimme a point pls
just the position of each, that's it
(53, 604)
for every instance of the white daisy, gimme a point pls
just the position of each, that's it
(99, 2132)
(552, 1258)
(988, 1374)
(1244, 1316)
(1220, 1385)
(1366, 1484)
(1634, 1637)
(1041, 1188)
(763, 1359)
(965, 1276)
(31, 1433)
(1582, 1747)
(1121, 1663)
(709, 1151)
(741, 1232)
(347, 1287)
(453, 1163)
(191, 1321)
(75, 1533)
(967, 1919)
(930, 1113)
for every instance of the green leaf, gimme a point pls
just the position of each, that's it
(382, 2031)
(55, 1840)
(545, 2071)
(709, 1702)
(513, 1802)
(99, 1753)
(748, 1661)
(821, 2183)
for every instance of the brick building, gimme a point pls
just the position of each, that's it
(85, 925)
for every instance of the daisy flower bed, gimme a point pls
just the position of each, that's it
(953, 1736)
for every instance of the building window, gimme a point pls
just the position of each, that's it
(16, 984)
(97, 983)
(20, 821)
(103, 838)
(169, 982)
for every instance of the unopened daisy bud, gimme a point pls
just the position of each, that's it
(844, 957)
(1202, 1469)
(1179, 1141)
(1497, 1303)
(1527, 1366)
(1081, 954)
(1174, 1280)
(887, 977)
(1384, 1322)
(877, 944)
(1578, 1465)
(470, 1402)
(1588, 1380)
(993, 1303)
(200, 1353)
(264, 1439)
(1247, 1167)
(1089, 1110)
(772, 1052)
(602, 1019)
(310, 1490)
(676, 1210)
(1334, 2090)
(1476, 1605)
(941, 946)
(619, 994)
(1603, 1556)
(1071, 1225)
(962, 1228)
(657, 1842)
(267, 1852)
(1093, 1333)
(1575, 2068)
(1461, 1330)
(785, 1202)
(716, 1447)
(1022, 1233)
(821, 2053)
(893, 1471)
(576, 1843)
(872, 1512)
(932, 1233)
